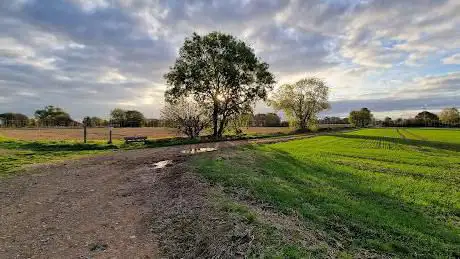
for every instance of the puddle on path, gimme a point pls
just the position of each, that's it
(198, 150)
(162, 164)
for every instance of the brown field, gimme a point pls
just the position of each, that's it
(55, 134)
(102, 133)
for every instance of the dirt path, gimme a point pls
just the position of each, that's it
(98, 207)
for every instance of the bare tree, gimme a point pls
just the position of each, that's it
(187, 116)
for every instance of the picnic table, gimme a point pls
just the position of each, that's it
(135, 139)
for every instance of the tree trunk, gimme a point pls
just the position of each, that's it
(215, 121)
(221, 128)
(303, 125)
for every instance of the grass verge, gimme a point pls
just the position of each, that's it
(15, 154)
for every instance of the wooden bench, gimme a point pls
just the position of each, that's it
(135, 139)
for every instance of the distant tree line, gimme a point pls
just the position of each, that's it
(333, 120)
(16, 120)
(49, 116)
(126, 118)
(52, 116)
(448, 117)
(265, 120)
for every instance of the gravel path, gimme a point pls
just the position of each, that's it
(97, 207)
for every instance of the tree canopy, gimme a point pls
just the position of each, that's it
(387, 122)
(52, 116)
(361, 118)
(14, 116)
(426, 117)
(266, 120)
(302, 101)
(134, 118)
(334, 120)
(449, 115)
(222, 74)
(11, 119)
(94, 122)
(126, 118)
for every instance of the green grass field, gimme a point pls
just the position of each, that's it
(372, 192)
(16, 154)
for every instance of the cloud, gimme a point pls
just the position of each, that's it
(454, 59)
(92, 56)
(432, 86)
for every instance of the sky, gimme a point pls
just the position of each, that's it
(394, 57)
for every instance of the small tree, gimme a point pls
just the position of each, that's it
(361, 118)
(32, 122)
(302, 101)
(449, 116)
(272, 120)
(94, 121)
(399, 122)
(87, 121)
(118, 116)
(97, 122)
(134, 118)
(387, 122)
(187, 116)
(222, 74)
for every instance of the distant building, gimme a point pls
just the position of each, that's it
(2, 122)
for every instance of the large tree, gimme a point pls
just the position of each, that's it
(426, 118)
(302, 101)
(449, 116)
(222, 74)
(361, 118)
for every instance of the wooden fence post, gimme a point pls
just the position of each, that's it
(110, 135)
(84, 133)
